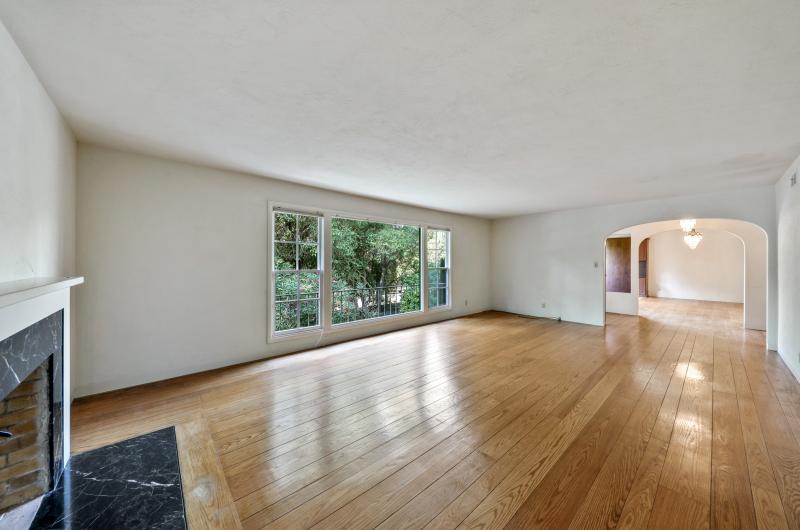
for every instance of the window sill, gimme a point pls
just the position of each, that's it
(295, 334)
(358, 324)
(375, 321)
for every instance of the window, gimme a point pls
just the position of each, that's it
(437, 250)
(330, 270)
(376, 269)
(296, 270)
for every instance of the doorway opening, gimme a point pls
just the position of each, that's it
(663, 261)
(643, 248)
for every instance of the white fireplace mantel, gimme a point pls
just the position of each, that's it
(17, 291)
(25, 302)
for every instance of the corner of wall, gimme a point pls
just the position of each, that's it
(787, 219)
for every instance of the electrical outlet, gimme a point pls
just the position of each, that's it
(544, 305)
(793, 179)
(466, 302)
(596, 264)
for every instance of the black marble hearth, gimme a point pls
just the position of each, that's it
(133, 484)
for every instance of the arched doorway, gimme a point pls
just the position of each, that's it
(713, 281)
(644, 248)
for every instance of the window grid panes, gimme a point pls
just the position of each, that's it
(296, 270)
(437, 252)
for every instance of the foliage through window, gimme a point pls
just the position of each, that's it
(376, 269)
(437, 251)
(296, 270)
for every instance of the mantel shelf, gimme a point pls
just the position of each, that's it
(17, 291)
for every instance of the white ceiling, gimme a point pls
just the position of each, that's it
(487, 108)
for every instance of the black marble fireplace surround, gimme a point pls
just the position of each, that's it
(24, 352)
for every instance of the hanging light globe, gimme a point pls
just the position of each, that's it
(692, 238)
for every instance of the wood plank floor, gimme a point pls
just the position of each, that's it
(676, 419)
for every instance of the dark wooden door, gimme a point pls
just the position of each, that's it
(618, 264)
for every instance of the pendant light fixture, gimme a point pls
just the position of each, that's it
(691, 236)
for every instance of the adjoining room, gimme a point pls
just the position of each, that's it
(399, 265)
(706, 260)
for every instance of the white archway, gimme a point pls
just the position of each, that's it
(756, 272)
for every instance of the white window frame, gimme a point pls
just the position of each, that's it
(449, 304)
(275, 335)
(326, 325)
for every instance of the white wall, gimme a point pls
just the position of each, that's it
(37, 175)
(714, 271)
(788, 214)
(556, 258)
(175, 259)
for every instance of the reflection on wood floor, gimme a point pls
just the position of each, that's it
(675, 419)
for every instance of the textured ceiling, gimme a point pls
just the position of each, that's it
(486, 108)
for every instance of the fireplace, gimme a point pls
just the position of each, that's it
(133, 483)
(31, 400)
(34, 365)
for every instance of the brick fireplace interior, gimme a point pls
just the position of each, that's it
(26, 456)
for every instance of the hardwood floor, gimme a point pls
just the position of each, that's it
(675, 419)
